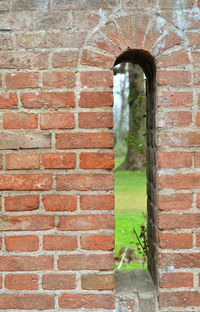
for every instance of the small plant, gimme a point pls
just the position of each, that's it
(142, 242)
(131, 140)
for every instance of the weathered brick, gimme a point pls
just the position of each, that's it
(86, 261)
(6, 41)
(48, 99)
(84, 20)
(24, 140)
(26, 301)
(197, 160)
(100, 41)
(61, 39)
(21, 281)
(193, 38)
(86, 222)
(59, 79)
(96, 99)
(21, 202)
(89, 120)
(97, 281)
(196, 58)
(174, 77)
(174, 221)
(84, 182)
(196, 78)
(22, 80)
(168, 41)
(8, 100)
(84, 140)
(180, 299)
(174, 201)
(16, 20)
(198, 239)
(29, 5)
(22, 243)
(174, 160)
(59, 202)
(52, 20)
(26, 223)
(174, 119)
(59, 242)
(175, 98)
(97, 202)
(89, 4)
(92, 79)
(20, 121)
(97, 242)
(88, 301)
(59, 160)
(26, 182)
(54, 120)
(175, 280)
(59, 281)
(22, 60)
(22, 161)
(179, 139)
(175, 240)
(96, 160)
(169, 4)
(179, 260)
(179, 181)
(96, 59)
(26, 263)
(65, 59)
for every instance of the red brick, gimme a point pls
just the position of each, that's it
(84, 140)
(100, 41)
(84, 182)
(21, 60)
(65, 59)
(96, 99)
(174, 119)
(92, 58)
(22, 161)
(88, 120)
(21, 281)
(196, 78)
(26, 263)
(175, 98)
(59, 202)
(88, 301)
(113, 33)
(86, 262)
(22, 243)
(59, 160)
(197, 160)
(173, 59)
(178, 221)
(21, 80)
(174, 160)
(60, 242)
(97, 281)
(175, 240)
(97, 202)
(48, 99)
(196, 58)
(168, 41)
(97, 242)
(179, 139)
(46, 20)
(85, 20)
(179, 181)
(86, 222)
(180, 260)
(193, 38)
(96, 160)
(26, 301)
(180, 299)
(20, 121)
(1, 161)
(198, 200)
(198, 239)
(175, 201)
(24, 140)
(92, 79)
(174, 77)
(176, 280)
(59, 79)
(59, 281)
(26, 223)
(57, 120)
(50, 39)
(21, 202)
(26, 182)
(8, 100)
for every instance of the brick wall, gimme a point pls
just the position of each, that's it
(56, 143)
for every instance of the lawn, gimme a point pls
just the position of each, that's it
(130, 193)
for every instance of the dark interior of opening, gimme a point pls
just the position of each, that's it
(147, 63)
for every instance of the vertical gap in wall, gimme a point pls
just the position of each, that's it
(130, 166)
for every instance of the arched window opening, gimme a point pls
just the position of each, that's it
(134, 86)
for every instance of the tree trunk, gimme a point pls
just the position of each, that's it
(137, 108)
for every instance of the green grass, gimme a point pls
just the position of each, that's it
(130, 194)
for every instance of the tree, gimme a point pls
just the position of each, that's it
(135, 160)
